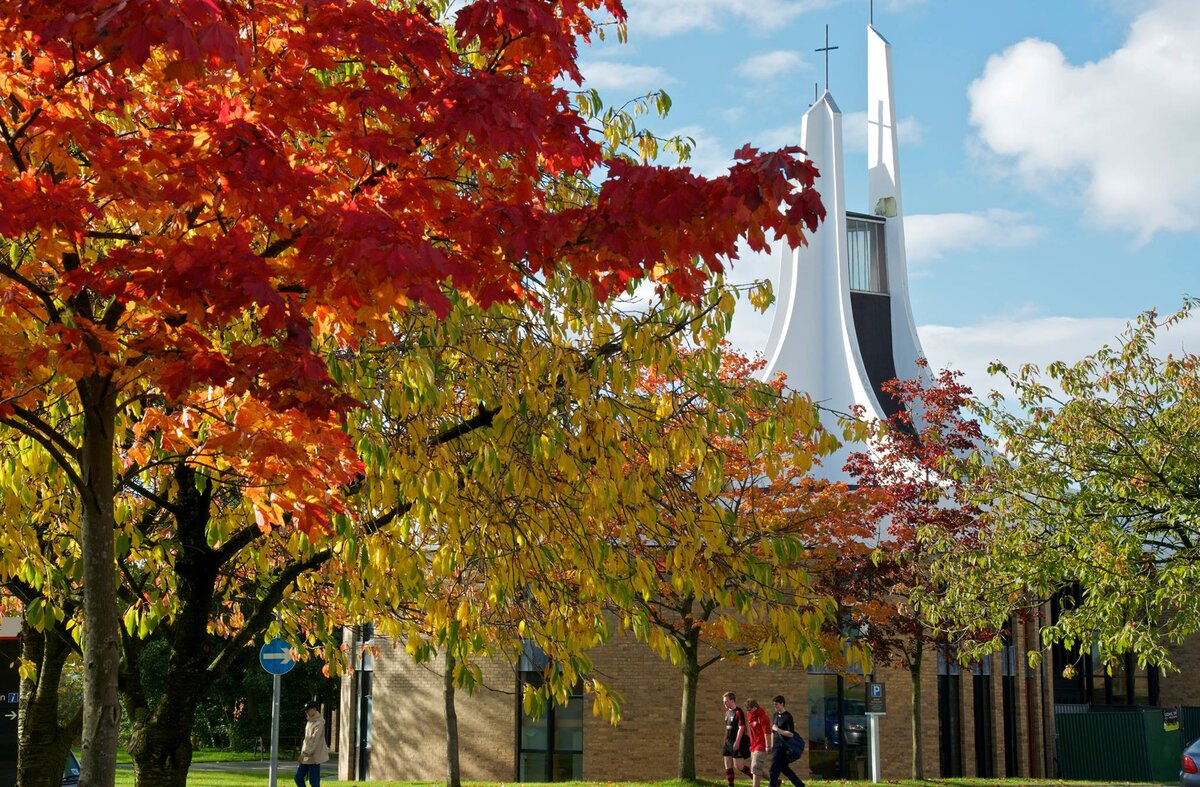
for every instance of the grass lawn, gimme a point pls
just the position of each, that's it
(203, 779)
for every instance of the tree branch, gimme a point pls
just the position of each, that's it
(51, 448)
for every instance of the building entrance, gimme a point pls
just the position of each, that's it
(838, 740)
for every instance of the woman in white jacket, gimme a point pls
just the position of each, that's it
(314, 751)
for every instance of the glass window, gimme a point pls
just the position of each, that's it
(1120, 683)
(865, 252)
(838, 731)
(551, 748)
(949, 686)
(981, 688)
(533, 766)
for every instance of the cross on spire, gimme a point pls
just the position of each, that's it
(871, 13)
(826, 49)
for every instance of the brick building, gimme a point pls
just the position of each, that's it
(996, 719)
(843, 326)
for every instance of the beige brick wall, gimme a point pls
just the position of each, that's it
(409, 725)
(1181, 687)
(895, 728)
(645, 744)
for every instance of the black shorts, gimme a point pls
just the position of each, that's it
(743, 752)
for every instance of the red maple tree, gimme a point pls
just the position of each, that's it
(919, 498)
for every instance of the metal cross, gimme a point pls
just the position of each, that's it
(871, 13)
(826, 49)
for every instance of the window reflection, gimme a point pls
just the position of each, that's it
(838, 731)
(865, 252)
(551, 748)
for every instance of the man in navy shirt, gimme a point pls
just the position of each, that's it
(783, 727)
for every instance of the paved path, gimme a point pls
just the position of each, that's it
(286, 768)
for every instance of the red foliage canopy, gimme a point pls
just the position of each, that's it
(214, 193)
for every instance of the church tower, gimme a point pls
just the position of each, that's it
(843, 324)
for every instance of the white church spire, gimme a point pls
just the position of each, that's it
(843, 324)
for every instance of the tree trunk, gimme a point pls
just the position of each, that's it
(160, 742)
(42, 742)
(161, 747)
(687, 712)
(453, 776)
(914, 669)
(101, 649)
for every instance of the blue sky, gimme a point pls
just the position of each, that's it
(1050, 149)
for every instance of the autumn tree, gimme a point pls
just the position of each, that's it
(718, 569)
(1094, 491)
(39, 564)
(922, 505)
(535, 377)
(206, 201)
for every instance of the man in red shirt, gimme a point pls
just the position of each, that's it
(758, 725)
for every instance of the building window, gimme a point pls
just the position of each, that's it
(1092, 680)
(866, 253)
(364, 665)
(1008, 687)
(982, 702)
(551, 747)
(949, 683)
(838, 738)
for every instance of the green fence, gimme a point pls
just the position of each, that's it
(1117, 746)
(1189, 722)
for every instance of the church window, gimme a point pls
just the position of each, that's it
(868, 262)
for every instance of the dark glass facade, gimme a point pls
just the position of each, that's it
(866, 254)
(949, 687)
(550, 747)
(1082, 678)
(838, 734)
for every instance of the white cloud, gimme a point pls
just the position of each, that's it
(1121, 129)
(933, 236)
(770, 65)
(971, 349)
(671, 17)
(710, 156)
(611, 75)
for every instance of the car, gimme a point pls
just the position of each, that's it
(855, 714)
(1189, 771)
(71, 770)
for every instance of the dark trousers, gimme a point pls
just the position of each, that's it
(312, 771)
(781, 767)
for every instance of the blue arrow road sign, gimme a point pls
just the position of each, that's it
(276, 657)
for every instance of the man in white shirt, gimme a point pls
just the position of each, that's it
(313, 752)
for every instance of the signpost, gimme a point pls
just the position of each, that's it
(276, 658)
(876, 707)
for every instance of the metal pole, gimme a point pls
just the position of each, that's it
(873, 723)
(274, 730)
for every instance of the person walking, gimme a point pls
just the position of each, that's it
(737, 743)
(313, 751)
(783, 727)
(758, 725)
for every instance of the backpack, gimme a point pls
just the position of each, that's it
(793, 747)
